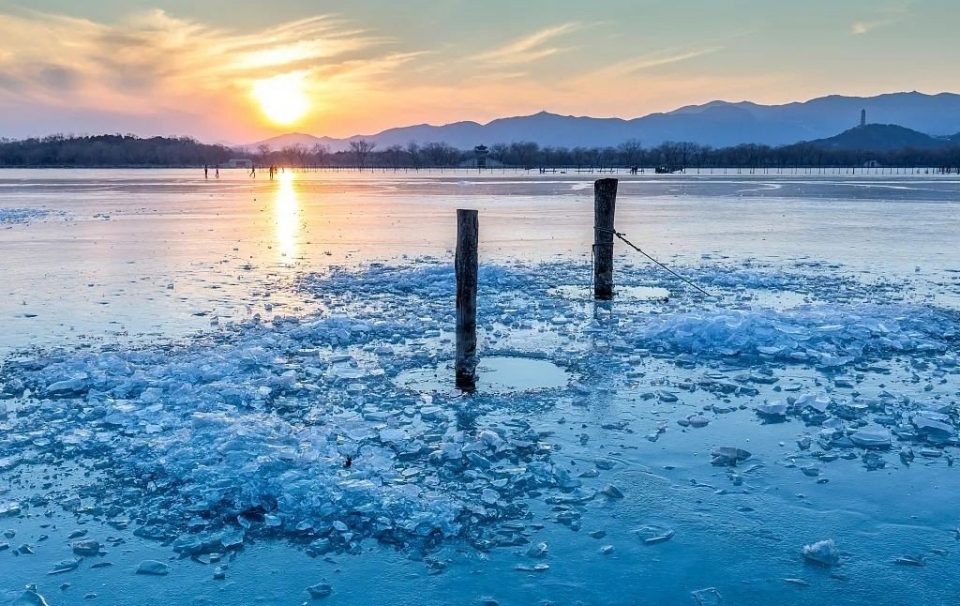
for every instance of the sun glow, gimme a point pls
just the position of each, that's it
(282, 98)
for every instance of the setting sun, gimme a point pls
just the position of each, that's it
(282, 99)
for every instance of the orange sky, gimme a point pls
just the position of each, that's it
(165, 68)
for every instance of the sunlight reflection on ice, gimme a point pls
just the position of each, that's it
(287, 212)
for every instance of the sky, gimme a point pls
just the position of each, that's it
(239, 71)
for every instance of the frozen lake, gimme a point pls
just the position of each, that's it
(115, 254)
(236, 378)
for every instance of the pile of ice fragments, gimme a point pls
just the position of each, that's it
(9, 216)
(292, 427)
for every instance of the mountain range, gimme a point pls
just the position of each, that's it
(717, 123)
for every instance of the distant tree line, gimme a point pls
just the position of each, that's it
(364, 154)
(111, 150)
(131, 151)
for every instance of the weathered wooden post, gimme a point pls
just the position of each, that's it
(604, 201)
(466, 270)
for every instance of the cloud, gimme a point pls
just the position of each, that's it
(885, 17)
(863, 27)
(529, 48)
(655, 60)
(634, 65)
(154, 63)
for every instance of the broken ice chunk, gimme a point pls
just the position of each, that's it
(66, 565)
(612, 492)
(30, 597)
(68, 387)
(822, 553)
(153, 567)
(729, 456)
(86, 547)
(536, 568)
(818, 403)
(927, 424)
(432, 413)
(651, 535)
(707, 597)
(910, 561)
(871, 438)
(872, 461)
(320, 590)
(772, 412)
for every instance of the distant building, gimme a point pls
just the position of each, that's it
(863, 117)
(479, 158)
(481, 152)
(240, 163)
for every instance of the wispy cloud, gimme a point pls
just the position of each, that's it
(884, 17)
(864, 27)
(656, 60)
(530, 48)
(635, 65)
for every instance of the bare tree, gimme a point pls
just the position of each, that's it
(361, 149)
(595, 156)
(263, 150)
(607, 157)
(441, 154)
(394, 155)
(525, 152)
(413, 149)
(300, 151)
(580, 155)
(631, 152)
(289, 155)
(320, 154)
(498, 151)
(685, 150)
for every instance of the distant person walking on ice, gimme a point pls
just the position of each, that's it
(206, 172)
(216, 172)
(253, 171)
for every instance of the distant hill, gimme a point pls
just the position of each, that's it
(717, 123)
(885, 137)
(279, 142)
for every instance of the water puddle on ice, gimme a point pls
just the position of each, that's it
(778, 300)
(496, 374)
(621, 293)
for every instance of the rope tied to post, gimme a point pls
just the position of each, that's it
(622, 236)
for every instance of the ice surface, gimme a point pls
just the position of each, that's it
(294, 426)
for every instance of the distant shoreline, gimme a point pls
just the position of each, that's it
(831, 169)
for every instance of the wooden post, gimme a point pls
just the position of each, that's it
(604, 201)
(466, 270)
